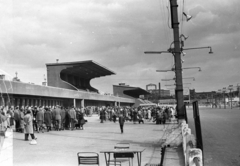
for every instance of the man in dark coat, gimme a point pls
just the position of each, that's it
(63, 118)
(58, 118)
(48, 119)
(17, 119)
(121, 122)
(40, 119)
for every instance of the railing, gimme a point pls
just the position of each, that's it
(193, 152)
(163, 149)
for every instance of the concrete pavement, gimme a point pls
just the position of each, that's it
(61, 147)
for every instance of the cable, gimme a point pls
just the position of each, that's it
(183, 4)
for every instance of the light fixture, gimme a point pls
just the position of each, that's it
(210, 52)
(156, 52)
(183, 53)
(185, 37)
(188, 17)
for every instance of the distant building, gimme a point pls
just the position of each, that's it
(126, 91)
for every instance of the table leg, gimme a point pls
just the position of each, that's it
(139, 158)
(105, 155)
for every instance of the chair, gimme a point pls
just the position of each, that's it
(88, 158)
(122, 157)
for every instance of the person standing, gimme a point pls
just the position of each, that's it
(17, 119)
(40, 120)
(81, 119)
(58, 118)
(48, 119)
(28, 126)
(121, 121)
(63, 118)
(72, 115)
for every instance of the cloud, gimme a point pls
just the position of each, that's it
(115, 34)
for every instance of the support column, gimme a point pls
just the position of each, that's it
(115, 103)
(82, 103)
(74, 102)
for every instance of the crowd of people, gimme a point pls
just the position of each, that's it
(44, 119)
(158, 114)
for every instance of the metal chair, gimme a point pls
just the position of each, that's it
(119, 158)
(88, 158)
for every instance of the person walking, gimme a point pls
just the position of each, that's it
(28, 127)
(121, 121)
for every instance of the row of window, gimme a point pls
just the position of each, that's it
(13, 101)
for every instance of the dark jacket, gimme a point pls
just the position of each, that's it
(121, 120)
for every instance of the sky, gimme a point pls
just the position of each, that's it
(115, 34)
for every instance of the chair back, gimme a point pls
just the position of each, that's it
(88, 158)
(122, 146)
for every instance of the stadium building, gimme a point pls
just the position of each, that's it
(68, 84)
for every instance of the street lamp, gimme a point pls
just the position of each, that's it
(167, 79)
(238, 87)
(175, 79)
(224, 90)
(199, 68)
(210, 51)
(230, 87)
(173, 69)
(156, 52)
(190, 78)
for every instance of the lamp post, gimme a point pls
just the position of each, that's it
(238, 88)
(224, 90)
(230, 87)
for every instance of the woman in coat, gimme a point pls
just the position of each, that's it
(28, 126)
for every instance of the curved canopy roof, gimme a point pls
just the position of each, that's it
(84, 69)
(135, 92)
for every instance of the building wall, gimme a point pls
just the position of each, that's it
(22, 90)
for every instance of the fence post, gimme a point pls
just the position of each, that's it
(198, 129)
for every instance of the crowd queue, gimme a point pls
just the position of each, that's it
(40, 119)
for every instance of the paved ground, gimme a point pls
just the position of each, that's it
(221, 135)
(61, 147)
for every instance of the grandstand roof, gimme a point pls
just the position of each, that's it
(136, 92)
(84, 69)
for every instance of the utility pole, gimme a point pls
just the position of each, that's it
(177, 60)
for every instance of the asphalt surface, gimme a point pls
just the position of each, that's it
(61, 147)
(221, 135)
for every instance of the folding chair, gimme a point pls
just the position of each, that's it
(88, 158)
(119, 158)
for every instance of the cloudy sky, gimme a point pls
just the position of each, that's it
(115, 34)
